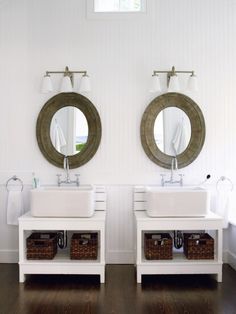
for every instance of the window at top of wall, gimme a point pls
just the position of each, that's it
(116, 9)
(119, 6)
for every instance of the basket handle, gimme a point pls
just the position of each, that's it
(201, 242)
(159, 242)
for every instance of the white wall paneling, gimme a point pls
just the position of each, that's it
(120, 56)
(119, 226)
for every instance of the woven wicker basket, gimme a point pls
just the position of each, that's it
(158, 246)
(84, 246)
(198, 246)
(41, 245)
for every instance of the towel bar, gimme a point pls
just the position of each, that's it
(14, 178)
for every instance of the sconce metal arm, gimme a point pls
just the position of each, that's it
(172, 72)
(66, 72)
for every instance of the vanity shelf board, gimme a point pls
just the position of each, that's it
(179, 258)
(209, 222)
(64, 268)
(63, 256)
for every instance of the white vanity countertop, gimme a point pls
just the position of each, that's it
(98, 216)
(142, 215)
(209, 222)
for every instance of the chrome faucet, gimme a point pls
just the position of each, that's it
(66, 167)
(174, 166)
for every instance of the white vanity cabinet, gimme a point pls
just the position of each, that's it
(179, 264)
(62, 264)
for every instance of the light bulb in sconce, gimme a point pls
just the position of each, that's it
(192, 85)
(173, 84)
(85, 84)
(155, 85)
(46, 86)
(66, 85)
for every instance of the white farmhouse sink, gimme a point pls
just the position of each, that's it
(62, 201)
(177, 201)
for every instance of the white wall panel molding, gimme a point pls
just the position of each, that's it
(231, 259)
(120, 257)
(119, 224)
(9, 256)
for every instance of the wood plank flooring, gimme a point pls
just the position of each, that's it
(54, 294)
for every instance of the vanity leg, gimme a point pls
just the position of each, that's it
(21, 276)
(102, 277)
(139, 277)
(219, 277)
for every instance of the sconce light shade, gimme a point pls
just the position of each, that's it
(192, 85)
(46, 86)
(85, 84)
(155, 85)
(66, 85)
(173, 81)
(173, 84)
(67, 81)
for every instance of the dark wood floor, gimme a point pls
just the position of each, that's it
(180, 294)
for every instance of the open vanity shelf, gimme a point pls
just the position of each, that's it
(179, 264)
(62, 264)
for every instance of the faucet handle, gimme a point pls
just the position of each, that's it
(181, 178)
(77, 178)
(59, 179)
(162, 179)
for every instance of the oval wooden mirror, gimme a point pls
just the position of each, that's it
(51, 132)
(151, 121)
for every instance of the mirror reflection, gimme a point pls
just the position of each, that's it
(69, 130)
(172, 131)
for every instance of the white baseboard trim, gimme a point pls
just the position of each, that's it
(120, 257)
(9, 256)
(225, 257)
(232, 259)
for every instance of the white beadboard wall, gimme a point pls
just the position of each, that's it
(120, 56)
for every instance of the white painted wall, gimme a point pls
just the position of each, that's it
(120, 56)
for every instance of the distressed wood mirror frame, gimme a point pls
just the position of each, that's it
(197, 122)
(43, 129)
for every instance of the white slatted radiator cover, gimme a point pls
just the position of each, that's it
(100, 196)
(139, 197)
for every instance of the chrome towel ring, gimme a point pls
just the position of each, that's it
(14, 178)
(223, 178)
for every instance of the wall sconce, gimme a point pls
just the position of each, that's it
(67, 81)
(173, 81)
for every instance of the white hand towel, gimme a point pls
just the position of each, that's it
(58, 137)
(56, 140)
(14, 207)
(179, 139)
(223, 205)
(232, 207)
(61, 136)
